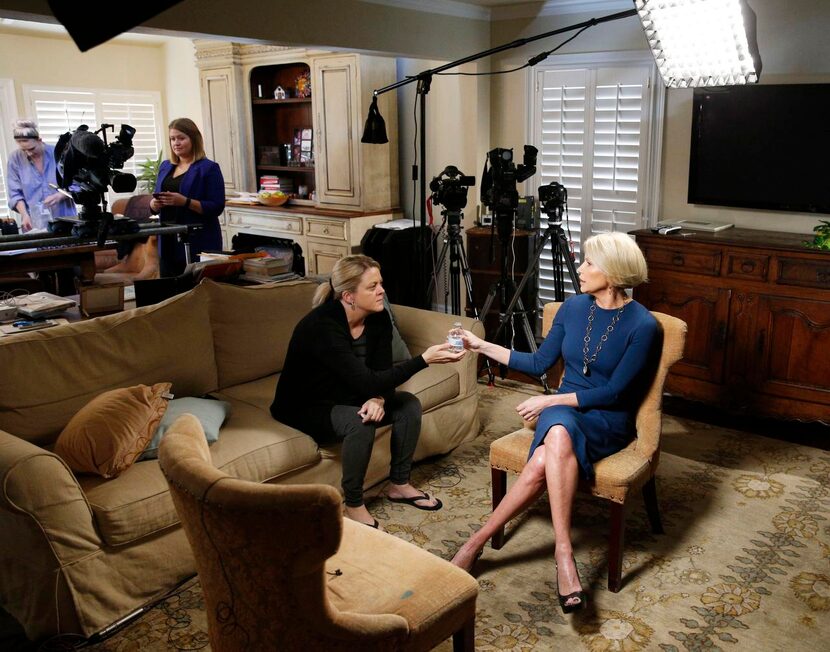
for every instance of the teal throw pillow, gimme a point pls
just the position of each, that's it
(400, 352)
(211, 414)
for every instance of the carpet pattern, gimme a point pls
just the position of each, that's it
(744, 563)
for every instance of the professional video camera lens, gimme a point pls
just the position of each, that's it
(507, 154)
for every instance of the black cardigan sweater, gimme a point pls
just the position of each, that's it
(321, 369)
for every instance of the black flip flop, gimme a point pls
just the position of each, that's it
(413, 502)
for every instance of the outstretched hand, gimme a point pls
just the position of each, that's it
(472, 342)
(441, 354)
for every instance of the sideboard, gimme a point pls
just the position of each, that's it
(325, 235)
(757, 304)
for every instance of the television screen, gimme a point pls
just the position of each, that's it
(762, 147)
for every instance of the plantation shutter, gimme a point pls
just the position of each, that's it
(4, 196)
(592, 125)
(60, 110)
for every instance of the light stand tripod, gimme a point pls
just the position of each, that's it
(554, 200)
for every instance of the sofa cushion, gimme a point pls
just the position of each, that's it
(434, 385)
(252, 326)
(48, 375)
(251, 446)
(107, 435)
(210, 413)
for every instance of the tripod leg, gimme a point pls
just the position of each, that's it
(491, 295)
(565, 252)
(433, 283)
(531, 341)
(468, 280)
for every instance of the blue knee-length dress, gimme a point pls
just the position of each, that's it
(604, 421)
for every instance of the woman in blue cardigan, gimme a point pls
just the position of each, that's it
(189, 190)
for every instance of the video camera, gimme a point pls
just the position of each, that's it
(553, 199)
(87, 166)
(450, 190)
(498, 184)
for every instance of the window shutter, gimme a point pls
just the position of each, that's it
(4, 197)
(618, 149)
(57, 111)
(592, 124)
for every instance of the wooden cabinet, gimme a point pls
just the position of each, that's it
(244, 132)
(485, 263)
(757, 305)
(324, 236)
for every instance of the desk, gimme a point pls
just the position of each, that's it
(47, 260)
(63, 252)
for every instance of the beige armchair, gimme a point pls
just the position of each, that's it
(618, 475)
(279, 565)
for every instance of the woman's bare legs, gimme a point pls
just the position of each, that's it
(527, 488)
(562, 474)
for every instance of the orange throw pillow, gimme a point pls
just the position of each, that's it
(107, 435)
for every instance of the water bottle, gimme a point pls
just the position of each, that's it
(455, 338)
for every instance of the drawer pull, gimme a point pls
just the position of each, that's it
(289, 226)
(678, 260)
(747, 266)
(326, 230)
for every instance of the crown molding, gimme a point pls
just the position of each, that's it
(443, 7)
(558, 8)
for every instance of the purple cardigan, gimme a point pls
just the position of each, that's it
(203, 181)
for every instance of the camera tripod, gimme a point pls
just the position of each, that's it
(561, 254)
(454, 245)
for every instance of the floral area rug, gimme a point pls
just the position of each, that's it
(744, 563)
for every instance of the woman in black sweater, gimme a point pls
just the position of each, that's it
(338, 383)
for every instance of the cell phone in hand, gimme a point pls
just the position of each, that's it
(156, 195)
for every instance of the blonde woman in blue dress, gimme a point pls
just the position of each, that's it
(604, 339)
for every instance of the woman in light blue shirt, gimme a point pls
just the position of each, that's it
(31, 170)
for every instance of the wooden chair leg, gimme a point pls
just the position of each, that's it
(652, 506)
(615, 547)
(498, 479)
(464, 640)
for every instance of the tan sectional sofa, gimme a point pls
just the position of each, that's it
(78, 553)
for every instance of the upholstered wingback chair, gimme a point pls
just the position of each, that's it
(281, 569)
(618, 475)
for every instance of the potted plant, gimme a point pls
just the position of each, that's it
(149, 174)
(822, 237)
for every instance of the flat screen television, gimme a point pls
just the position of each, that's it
(762, 146)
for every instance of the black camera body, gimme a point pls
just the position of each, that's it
(450, 189)
(553, 199)
(498, 185)
(87, 165)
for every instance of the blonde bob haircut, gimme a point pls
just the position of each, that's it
(345, 277)
(619, 257)
(189, 129)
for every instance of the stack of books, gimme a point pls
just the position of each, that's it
(267, 270)
(269, 183)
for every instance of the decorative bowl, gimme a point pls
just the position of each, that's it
(272, 201)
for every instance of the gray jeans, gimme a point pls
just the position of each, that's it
(404, 413)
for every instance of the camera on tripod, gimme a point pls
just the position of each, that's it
(553, 199)
(498, 184)
(86, 167)
(450, 190)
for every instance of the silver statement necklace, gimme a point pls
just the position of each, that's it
(591, 313)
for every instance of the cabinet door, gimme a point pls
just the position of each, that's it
(221, 117)
(322, 256)
(336, 147)
(792, 348)
(706, 311)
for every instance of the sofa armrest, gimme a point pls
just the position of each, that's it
(41, 502)
(420, 329)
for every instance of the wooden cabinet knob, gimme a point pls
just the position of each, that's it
(678, 260)
(325, 230)
(747, 266)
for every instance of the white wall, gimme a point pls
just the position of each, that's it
(181, 90)
(457, 129)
